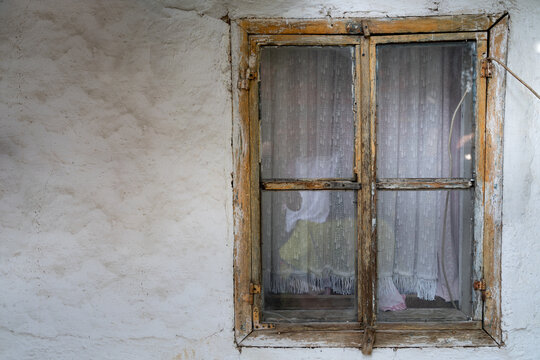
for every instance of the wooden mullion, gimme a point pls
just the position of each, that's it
(310, 185)
(423, 184)
(367, 260)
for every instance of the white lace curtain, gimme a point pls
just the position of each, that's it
(419, 87)
(307, 125)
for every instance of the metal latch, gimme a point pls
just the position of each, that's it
(480, 285)
(486, 68)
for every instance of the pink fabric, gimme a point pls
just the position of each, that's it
(389, 298)
(393, 303)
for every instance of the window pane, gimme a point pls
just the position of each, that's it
(418, 89)
(306, 105)
(309, 255)
(417, 248)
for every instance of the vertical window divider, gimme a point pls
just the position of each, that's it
(367, 259)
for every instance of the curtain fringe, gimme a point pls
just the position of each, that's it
(425, 289)
(301, 284)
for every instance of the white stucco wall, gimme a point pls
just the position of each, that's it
(115, 178)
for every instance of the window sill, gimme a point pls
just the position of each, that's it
(387, 336)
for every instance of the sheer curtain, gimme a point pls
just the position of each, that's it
(307, 132)
(418, 88)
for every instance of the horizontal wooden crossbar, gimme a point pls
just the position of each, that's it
(424, 184)
(310, 185)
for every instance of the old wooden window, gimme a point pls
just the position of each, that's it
(367, 182)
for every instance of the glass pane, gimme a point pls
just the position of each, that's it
(309, 255)
(306, 105)
(418, 89)
(424, 262)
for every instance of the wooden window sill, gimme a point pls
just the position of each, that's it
(388, 335)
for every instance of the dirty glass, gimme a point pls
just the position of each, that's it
(418, 88)
(309, 255)
(424, 241)
(306, 112)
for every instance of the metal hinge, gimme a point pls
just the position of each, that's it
(246, 74)
(253, 289)
(486, 68)
(256, 321)
(480, 285)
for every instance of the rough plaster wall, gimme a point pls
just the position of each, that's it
(521, 192)
(115, 174)
(115, 198)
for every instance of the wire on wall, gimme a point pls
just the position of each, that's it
(514, 75)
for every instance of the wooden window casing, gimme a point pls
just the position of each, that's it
(248, 35)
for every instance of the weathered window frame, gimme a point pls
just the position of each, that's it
(247, 35)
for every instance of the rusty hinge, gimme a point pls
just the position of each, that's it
(368, 340)
(480, 285)
(246, 74)
(253, 289)
(256, 321)
(486, 68)
(243, 79)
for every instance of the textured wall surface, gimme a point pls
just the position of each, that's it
(115, 178)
